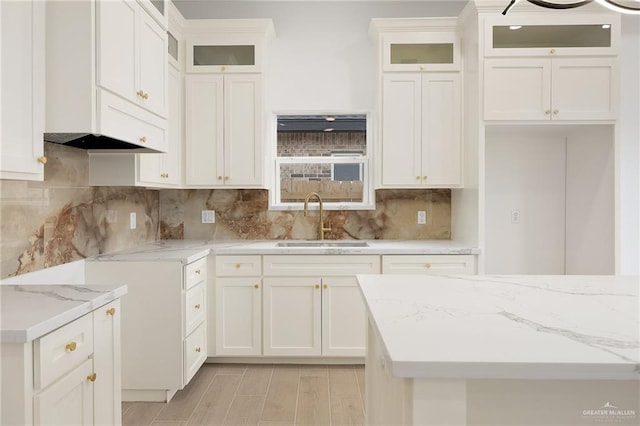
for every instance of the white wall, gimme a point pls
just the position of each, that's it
(525, 171)
(629, 148)
(322, 58)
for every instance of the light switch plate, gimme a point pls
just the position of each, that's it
(515, 216)
(422, 217)
(208, 216)
(132, 220)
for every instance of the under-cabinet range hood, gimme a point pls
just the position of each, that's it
(96, 142)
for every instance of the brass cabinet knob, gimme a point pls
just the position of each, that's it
(425, 177)
(547, 111)
(552, 51)
(71, 346)
(226, 178)
(111, 311)
(145, 96)
(223, 68)
(198, 349)
(42, 159)
(417, 177)
(164, 175)
(325, 286)
(140, 93)
(317, 285)
(237, 266)
(421, 67)
(143, 139)
(92, 377)
(219, 177)
(197, 271)
(555, 112)
(427, 265)
(197, 306)
(256, 286)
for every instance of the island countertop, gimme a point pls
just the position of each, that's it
(31, 311)
(506, 327)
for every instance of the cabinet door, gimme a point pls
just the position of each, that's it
(401, 130)
(242, 129)
(106, 364)
(344, 324)
(238, 316)
(441, 123)
(152, 67)
(117, 47)
(291, 316)
(203, 129)
(584, 88)
(22, 88)
(517, 89)
(69, 401)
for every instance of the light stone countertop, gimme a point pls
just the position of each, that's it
(31, 311)
(187, 251)
(507, 327)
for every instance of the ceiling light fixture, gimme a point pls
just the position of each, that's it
(330, 119)
(621, 6)
(515, 27)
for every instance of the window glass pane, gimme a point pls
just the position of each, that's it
(424, 53)
(173, 46)
(159, 4)
(315, 136)
(224, 55)
(298, 179)
(531, 36)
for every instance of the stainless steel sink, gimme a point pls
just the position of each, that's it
(322, 244)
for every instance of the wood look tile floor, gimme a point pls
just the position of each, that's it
(240, 394)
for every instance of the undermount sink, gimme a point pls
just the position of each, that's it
(322, 244)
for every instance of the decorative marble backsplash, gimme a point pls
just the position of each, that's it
(63, 219)
(243, 214)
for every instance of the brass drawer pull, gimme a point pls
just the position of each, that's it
(427, 265)
(197, 271)
(111, 311)
(71, 346)
(143, 139)
(198, 349)
(197, 306)
(42, 160)
(92, 377)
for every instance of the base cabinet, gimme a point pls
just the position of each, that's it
(238, 316)
(164, 342)
(70, 376)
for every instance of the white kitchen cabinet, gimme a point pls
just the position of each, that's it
(132, 58)
(224, 130)
(450, 264)
(238, 301)
(70, 376)
(421, 137)
(312, 305)
(158, 9)
(22, 56)
(106, 73)
(411, 51)
(164, 342)
(569, 88)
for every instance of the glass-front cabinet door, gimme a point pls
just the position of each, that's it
(158, 9)
(220, 55)
(421, 52)
(542, 36)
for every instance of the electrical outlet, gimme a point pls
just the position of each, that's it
(132, 220)
(422, 217)
(515, 216)
(208, 216)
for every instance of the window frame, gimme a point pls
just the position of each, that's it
(364, 160)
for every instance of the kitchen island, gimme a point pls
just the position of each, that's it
(502, 350)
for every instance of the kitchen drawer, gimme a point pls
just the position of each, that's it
(120, 119)
(62, 350)
(195, 273)
(194, 309)
(323, 265)
(245, 266)
(195, 352)
(428, 264)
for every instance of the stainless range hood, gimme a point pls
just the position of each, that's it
(96, 142)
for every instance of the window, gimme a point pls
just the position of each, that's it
(323, 153)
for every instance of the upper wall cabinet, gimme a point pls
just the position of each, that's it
(106, 71)
(159, 9)
(420, 103)
(228, 45)
(22, 74)
(551, 68)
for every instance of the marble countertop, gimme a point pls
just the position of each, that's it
(187, 251)
(31, 311)
(507, 327)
